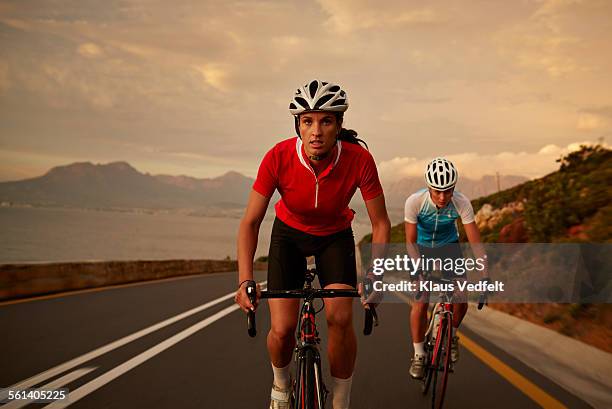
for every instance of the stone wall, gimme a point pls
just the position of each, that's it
(27, 280)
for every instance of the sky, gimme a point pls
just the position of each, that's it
(203, 87)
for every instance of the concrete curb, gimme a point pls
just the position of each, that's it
(580, 368)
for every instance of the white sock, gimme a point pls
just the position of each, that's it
(281, 376)
(419, 348)
(341, 392)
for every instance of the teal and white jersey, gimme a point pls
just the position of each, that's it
(437, 227)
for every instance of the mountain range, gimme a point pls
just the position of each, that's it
(119, 185)
(397, 192)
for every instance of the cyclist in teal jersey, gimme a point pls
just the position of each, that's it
(430, 217)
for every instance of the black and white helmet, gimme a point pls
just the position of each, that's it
(318, 96)
(441, 174)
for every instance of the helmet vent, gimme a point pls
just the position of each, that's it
(301, 101)
(323, 100)
(313, 88)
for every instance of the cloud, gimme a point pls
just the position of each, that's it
(552, 38)
(474, 165)
(347, 16)
(16, 23)
(4, 77)
(89, 50)
(591, 122)
(179, 75)
(214, 76)
(595, 119)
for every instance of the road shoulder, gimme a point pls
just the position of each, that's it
(574, 365)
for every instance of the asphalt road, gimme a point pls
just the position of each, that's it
(129, 347)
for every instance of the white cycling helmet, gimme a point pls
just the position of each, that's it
(441, 174)
(318, 96)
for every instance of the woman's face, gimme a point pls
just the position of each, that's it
(319, 131)
(441, 197)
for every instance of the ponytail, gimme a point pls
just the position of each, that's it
(349, 135)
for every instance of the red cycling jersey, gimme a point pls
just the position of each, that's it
(314, 204)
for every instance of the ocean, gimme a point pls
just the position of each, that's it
(38, 235)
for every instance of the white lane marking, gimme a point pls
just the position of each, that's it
(56, 384)
(43, 376)
(117, 371)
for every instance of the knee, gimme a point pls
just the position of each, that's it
(340, 319)
(282, 334)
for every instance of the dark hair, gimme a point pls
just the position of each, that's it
(349, 135)
(346, 135)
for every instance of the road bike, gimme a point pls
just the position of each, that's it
(308, 390)
(438, 339)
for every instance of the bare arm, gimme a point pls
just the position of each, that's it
(473, 236)
(381, 226)
(247, 242)
(411, 238)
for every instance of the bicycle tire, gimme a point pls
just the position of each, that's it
(447, 361)
(298, 388)
(443, 364)
(313, 393)
(430, 350)
(439, 351)
(428, 367)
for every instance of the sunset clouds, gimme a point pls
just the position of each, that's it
(143, 80)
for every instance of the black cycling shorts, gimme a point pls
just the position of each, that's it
(447, 251)
(334, 256)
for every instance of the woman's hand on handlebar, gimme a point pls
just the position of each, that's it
(369, 297)
(242, 298)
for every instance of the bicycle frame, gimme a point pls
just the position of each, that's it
(307, 358)
(309, 391)
(439, 351)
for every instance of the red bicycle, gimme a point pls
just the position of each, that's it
(308, 389)
(438, 339)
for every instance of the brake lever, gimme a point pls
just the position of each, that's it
(251, 291)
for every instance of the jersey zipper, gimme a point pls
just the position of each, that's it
(316, 204)
(309, 167)
(433, 236)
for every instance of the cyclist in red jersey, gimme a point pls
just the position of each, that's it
(316, 174)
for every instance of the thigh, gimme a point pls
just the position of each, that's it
(286, 263)
(336, 260)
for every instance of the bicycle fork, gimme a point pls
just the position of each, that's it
(310, 391)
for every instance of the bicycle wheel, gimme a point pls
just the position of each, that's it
(430, 363)
(313, 391)
(428, 366)
(443, 368)
(298, 388)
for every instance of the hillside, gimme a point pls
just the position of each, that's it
(396, 192)
(573, 204)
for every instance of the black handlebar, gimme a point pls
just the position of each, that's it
(371, 318)
(251, 290)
